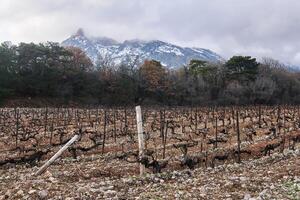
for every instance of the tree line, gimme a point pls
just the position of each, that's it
(65, 75)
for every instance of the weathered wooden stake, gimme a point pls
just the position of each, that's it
(196, 120)
(17, 125)
(165, 135)
(52, 129)
(115, 127)
(216, 136)
(140, 136)
(104, 131)
(259, 116)
(238, 136)
(49, 162)
(162, 121)
(46, 121)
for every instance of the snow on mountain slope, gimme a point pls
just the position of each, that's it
(103, 49)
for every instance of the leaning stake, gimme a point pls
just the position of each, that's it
(49, 162)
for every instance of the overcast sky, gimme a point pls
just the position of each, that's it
(260, 28)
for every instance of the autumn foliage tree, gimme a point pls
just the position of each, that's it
(153, 78)
(80, 61)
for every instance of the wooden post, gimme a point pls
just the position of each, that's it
(224, 117)
(17, 125)
(206, 120)
(196, 120)
(259, 116)
(284, 130)
(52, 129)
(165, 135)
(233, 122)
(206, 157)
(278, 113)
(46, 121)
(115, 127)
(104, 131)
(140, 136)
(238, 136)
(161, 124)
(65, 118)
(126, 125)
(298, 113)
(216, 136)
(49, 162)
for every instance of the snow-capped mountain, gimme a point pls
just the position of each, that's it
(109, 51)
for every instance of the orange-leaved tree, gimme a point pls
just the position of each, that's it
(153, 76)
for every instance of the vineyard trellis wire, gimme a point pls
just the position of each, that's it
(186, 136)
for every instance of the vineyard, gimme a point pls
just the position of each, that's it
(176, 139)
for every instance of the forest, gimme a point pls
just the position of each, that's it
(66, 76)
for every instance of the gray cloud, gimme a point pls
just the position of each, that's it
(267, 28)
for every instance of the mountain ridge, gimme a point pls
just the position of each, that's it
(135, 51)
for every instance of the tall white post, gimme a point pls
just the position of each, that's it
(140, 136)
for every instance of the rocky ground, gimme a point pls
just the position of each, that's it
(274, 177)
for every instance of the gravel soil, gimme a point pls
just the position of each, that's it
(270, 177)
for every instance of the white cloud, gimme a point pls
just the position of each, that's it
(296, 58)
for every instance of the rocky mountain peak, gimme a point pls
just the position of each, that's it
(129, 51)
(79, 33)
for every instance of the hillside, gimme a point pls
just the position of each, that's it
(136, 51)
